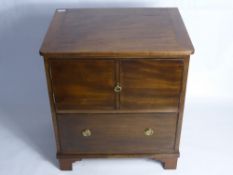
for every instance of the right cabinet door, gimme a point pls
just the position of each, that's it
(153, 84)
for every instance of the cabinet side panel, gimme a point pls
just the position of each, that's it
(182, 102)
(51, 99)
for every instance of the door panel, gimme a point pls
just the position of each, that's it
(83, 84)
(150, 84)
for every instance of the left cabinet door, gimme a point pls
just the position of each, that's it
(83, 84)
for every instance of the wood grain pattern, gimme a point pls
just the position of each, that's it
(117, 32)
(83, 84)
(182, 102)
(150, 84)
(89, 84)
(117, 133)
(87, 52)
(52, 105)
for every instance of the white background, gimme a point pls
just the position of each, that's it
(27, 143)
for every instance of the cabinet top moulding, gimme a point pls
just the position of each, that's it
(117, 33)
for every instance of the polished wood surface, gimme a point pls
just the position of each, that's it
(52, 104)
(182, 101)
(150, 84)
(89, 84)
(124, 133)
(117, 80)
(83, 84)
(117, 32)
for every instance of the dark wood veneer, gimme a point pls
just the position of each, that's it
(150, 84)
(117, 133)
(117, 80)
(84, 84)
(138, 32)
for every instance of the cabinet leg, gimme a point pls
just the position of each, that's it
(65, 164)
(169, 163)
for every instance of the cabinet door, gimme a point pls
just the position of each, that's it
(150, 84)
(83, 84)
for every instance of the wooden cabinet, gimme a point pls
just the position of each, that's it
(117, 81)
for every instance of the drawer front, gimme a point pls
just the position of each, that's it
(83, 84)
(150, 84)
(117, 133)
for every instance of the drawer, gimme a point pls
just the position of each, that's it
(117, 133)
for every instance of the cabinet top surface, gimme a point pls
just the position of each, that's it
(117, 33)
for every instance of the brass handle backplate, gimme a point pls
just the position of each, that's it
(118, 88)
(86, 133)
(148, 132)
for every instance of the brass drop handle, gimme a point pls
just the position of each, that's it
(86, 133)
(148, 132)
(118, 88)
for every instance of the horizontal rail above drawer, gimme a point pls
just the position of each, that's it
(173, 110)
